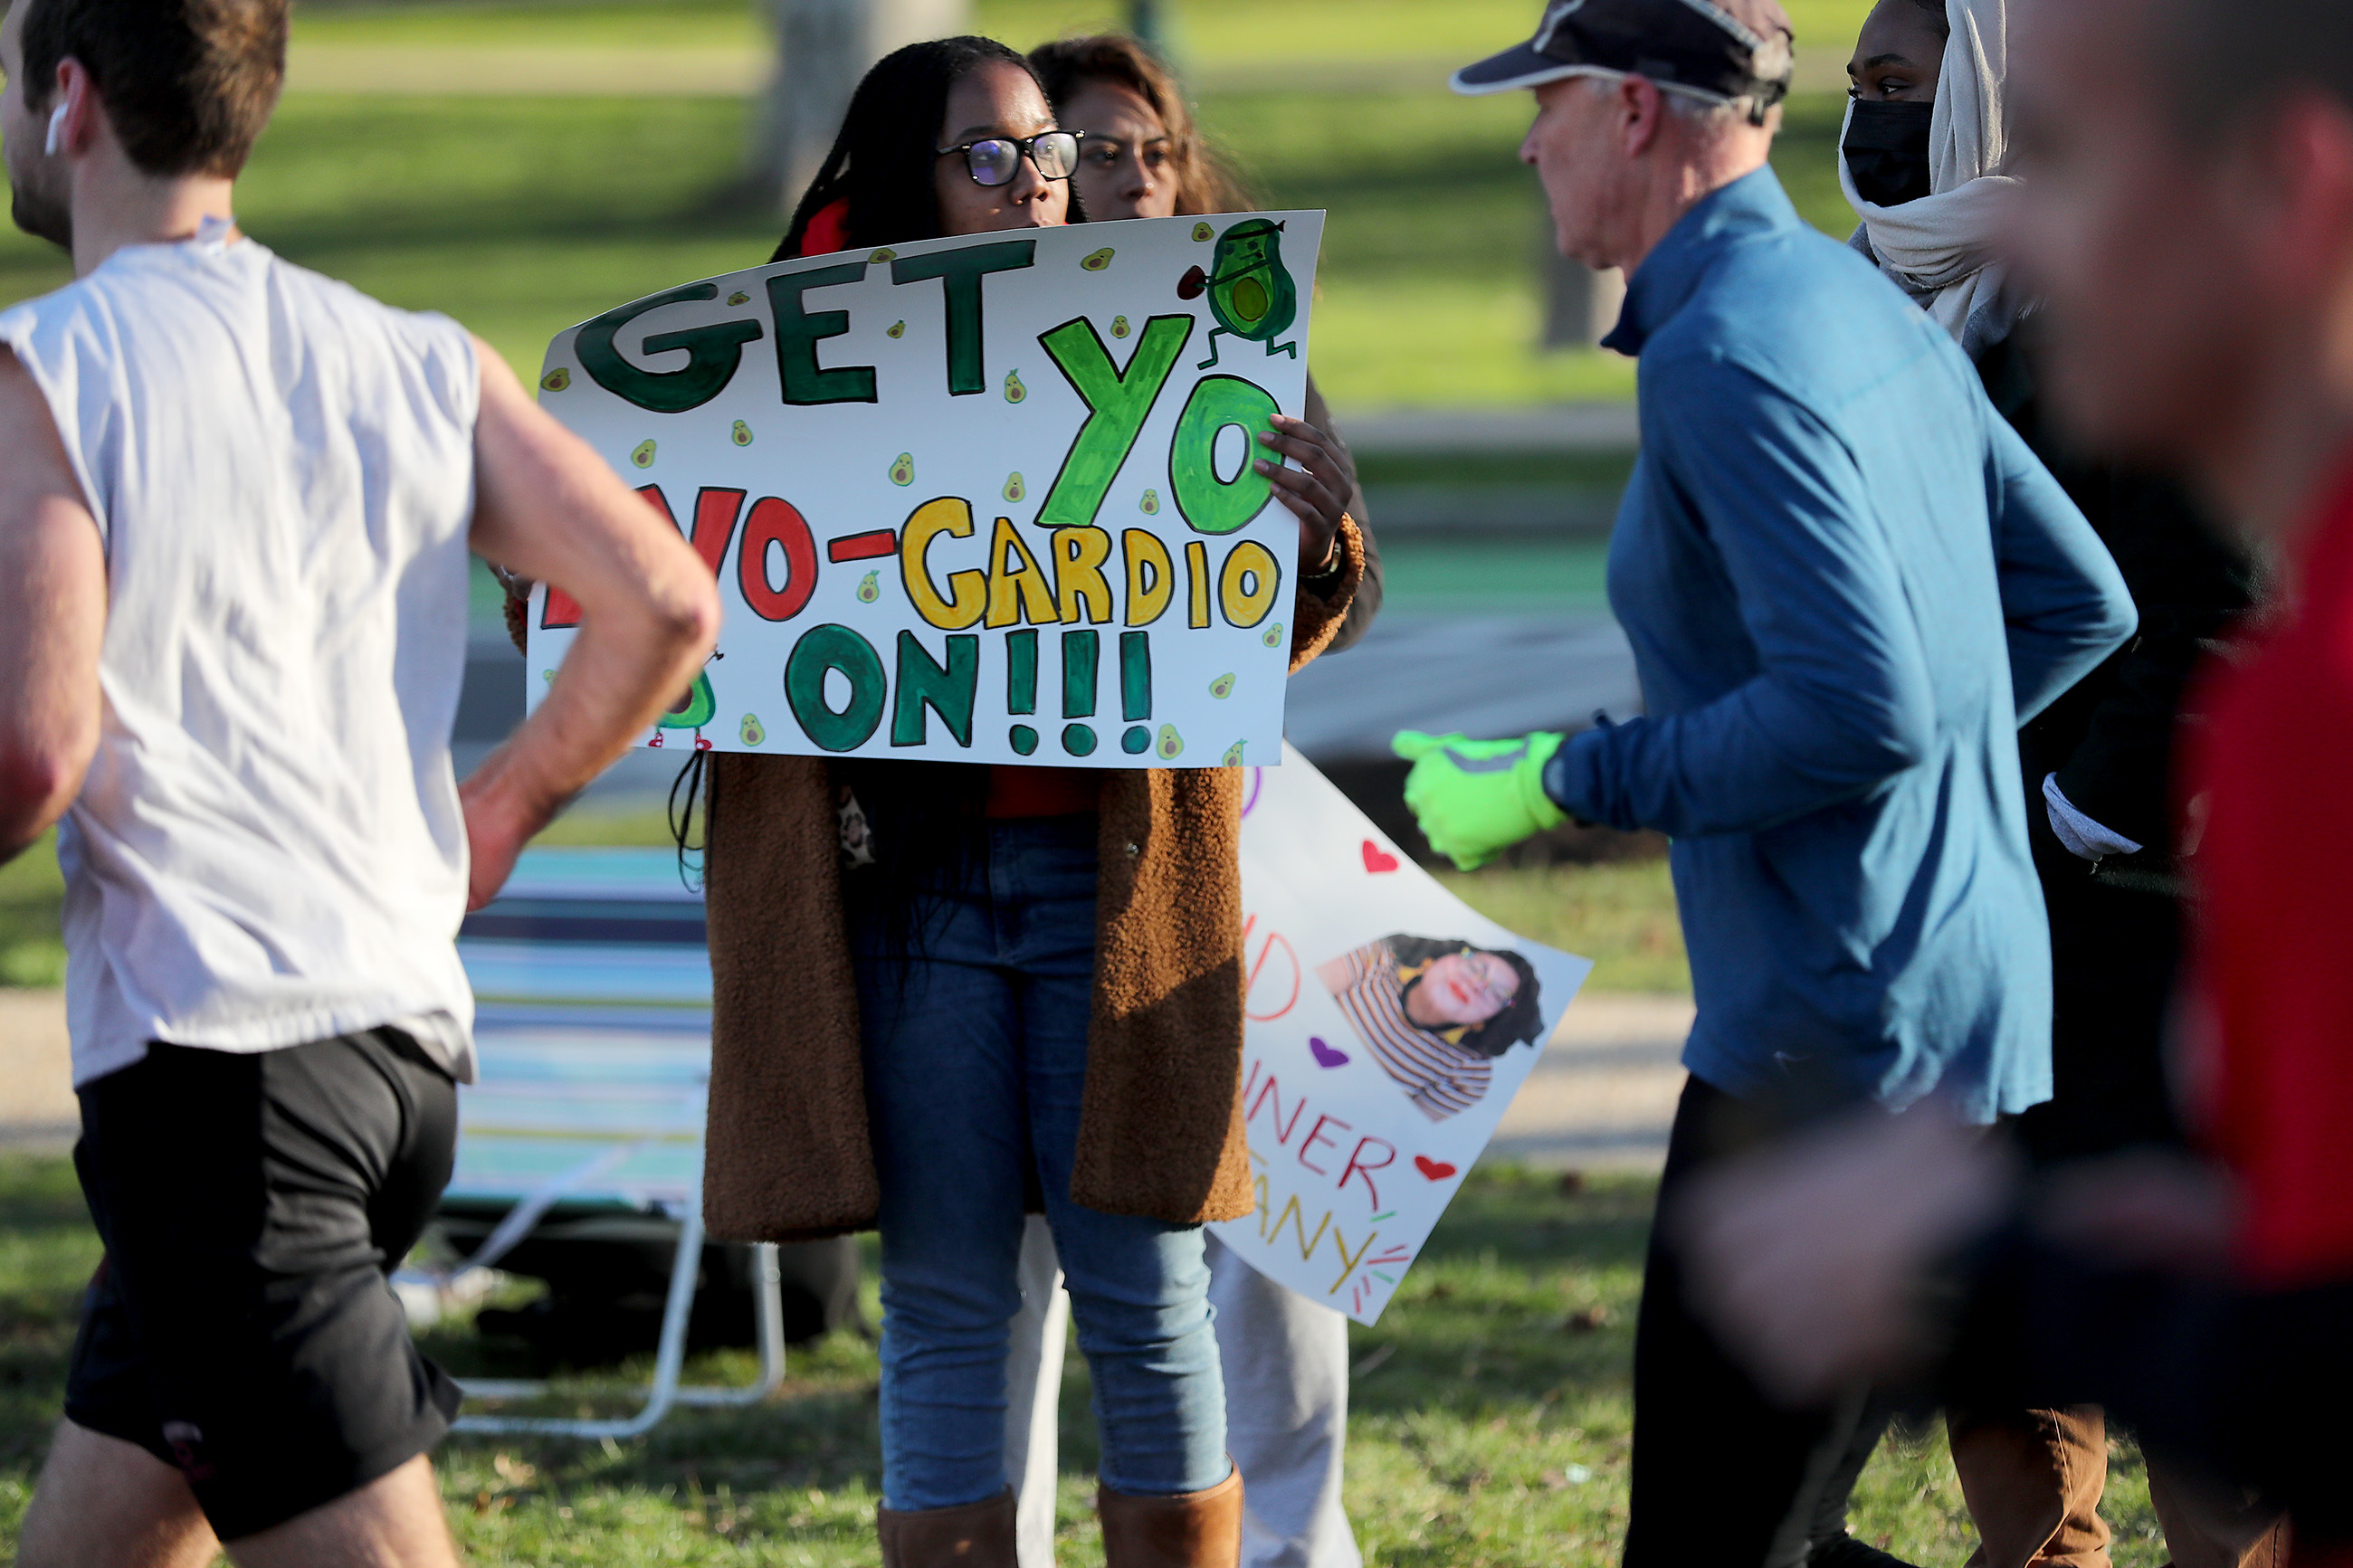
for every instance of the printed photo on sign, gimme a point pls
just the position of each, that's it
(1435, 1012)
(1387, 1026)
(985, 499)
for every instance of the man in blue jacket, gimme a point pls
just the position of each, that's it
(1847, 582)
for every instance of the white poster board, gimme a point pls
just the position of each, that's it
(987, 499)
(1387, 1027)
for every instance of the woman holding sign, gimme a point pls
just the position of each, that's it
(1025, 989)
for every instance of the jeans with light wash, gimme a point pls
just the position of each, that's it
(975, 1027)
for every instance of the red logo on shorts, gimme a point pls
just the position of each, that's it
(187, 1444)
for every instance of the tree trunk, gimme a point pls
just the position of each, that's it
(823, 47)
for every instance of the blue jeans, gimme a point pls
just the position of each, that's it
(975, 1049)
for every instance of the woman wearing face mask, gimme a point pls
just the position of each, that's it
(1925, 156)
(1021, 989)
(1285, 1359)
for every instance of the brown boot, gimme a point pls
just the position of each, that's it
(1192, 1529)
(976, 1535)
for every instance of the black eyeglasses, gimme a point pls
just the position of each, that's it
(995, 160)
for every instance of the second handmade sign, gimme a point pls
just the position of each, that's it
(988, 499)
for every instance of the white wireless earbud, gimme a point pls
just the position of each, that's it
(58, 127)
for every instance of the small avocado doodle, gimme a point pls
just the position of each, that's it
(739, 298)
(694, 710)
(1014, 391)
(1119, 328)
(742, 434)
(1233, 757)
(1273, 638)
(1222, 687)
(751, 732)
(882, 256)
(556, 380)
(1251, 292)
(1013, 488)
(1097, 260)
(548, 676)
(870, 587)
(1150, 503)
(1171, 742)
(1203, 231)
(902, 469)
(895, 330)
(644, 456)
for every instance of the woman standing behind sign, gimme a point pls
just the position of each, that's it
(1285, 1358)
(1032, 993)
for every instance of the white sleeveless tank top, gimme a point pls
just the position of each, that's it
(268, 849)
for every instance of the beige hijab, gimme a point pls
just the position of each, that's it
(1940, 249)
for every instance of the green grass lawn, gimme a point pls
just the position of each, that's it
(1489, 1424)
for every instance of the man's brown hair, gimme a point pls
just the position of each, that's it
(188, 84)
(2225, 59)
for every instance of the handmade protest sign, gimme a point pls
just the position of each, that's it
(1387, 1027)
(987, 498)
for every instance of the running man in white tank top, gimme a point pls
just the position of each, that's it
(236, 502)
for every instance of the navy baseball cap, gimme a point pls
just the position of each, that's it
(1706, 47)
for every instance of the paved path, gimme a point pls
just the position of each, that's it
(36, 1100)
(1601, 1099)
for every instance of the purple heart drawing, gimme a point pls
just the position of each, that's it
(1325, 1057)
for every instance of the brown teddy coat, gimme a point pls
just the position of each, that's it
(1160, 1130)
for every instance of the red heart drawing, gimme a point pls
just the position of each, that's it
(1436, 1170)
(1377, 859)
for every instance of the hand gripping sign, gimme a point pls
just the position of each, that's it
(1387, 1027)
(987, 498)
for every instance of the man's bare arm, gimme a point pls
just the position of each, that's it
(548, 506)
(52, 619)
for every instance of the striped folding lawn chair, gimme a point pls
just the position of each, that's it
(593, 1030)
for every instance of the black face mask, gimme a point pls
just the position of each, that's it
(1887, 151)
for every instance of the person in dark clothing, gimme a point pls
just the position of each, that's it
(2186, 214)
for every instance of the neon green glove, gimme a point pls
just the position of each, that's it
(1477, 798)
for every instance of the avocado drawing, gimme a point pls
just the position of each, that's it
(694, 710)
(1014, 391)
(548, 676)
(556, 380)
(1251, 292)
(895, 330)
(882, 256)
(1273, 638)
(1098, 261)
(1171, 743)
(739, 298)
(644, 456)
(1233, 757)
(1151, 503)
(751, 732)
(1119, 328)
(902, 471)
(1203, 231)
(1222, 687)
(870, 587)
(1013, 489)
(742, 434)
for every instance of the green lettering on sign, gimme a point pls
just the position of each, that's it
(712, 353)
(947, 690)
(828, 647)
(1207, 503)
(1117, 402)
(960, 271)
(800, 329)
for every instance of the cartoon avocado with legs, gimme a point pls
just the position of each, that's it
(695, 710)
(1251, 292)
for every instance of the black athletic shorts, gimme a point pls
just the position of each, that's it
(241, 1326)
